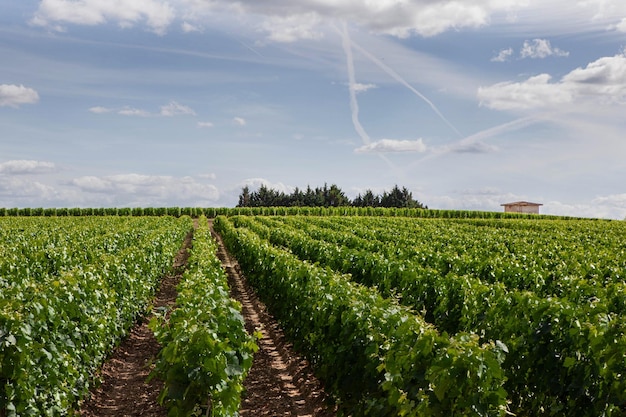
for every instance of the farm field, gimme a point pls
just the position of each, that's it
(70, 289)
(538, 307)
(397, 315)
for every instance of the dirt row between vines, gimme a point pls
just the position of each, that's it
(280, 382)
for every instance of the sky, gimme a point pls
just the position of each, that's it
(468, 104)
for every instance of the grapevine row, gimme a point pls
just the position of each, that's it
(212, 212)
(375, 356)
(70, 290)
(206, 352)
(566, 356)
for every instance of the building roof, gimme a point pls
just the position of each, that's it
(522, 203)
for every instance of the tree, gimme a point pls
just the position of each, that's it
(335, 197)
(244, 197)
(367, 200)
(399, 198)
(325, 196)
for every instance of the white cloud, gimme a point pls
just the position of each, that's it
(361, 88)
(16, 95)
(131, 111)
(205, 124)
(147, 190)
(239, 121)
(156, 14)
(615, 199)
(540, 48)
(536, 49)
(468, 147)
(490, 198)
(292, 27)
(169, 110)
(188, 27)
(399, 18)
(288, 20)
(603, 79)
(24, 192)
(537, 91)
(256, 183)
(20, 167)
(392, 145)
(503, 56)
(100, 110)
(210, 176)
(621, 26)
(176, 109)
(601, 207)
(282, 20)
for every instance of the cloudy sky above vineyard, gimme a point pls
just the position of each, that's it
(469, 104)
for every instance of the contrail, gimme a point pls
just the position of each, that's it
(402, 81)
(354, 104)
(483, 134)
(245, 45)
(496, 130)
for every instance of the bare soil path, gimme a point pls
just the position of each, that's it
(280, 382)
(124, 390)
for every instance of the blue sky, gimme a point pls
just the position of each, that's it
(469, 104)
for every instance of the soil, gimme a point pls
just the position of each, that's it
(124, 390)
(280, 382)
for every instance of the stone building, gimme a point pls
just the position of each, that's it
(522, 207)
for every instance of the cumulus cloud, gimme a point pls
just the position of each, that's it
(621, 26)
(188, 27)
(138, 189)
(256, 183)
(535, 49)
(282, 20)
(210, 176)
(361, 88)
(176, 109)
(21, 167)
(131, 111)
(399, 18)
(156, 14)
(16, 95)
(540, 48)
(292, 27)
(614, 200)
(169, 110)
(239, 121)
(100, 110)
(537, 91)
(503, 56)
(288, 20)
(601, 207)
(470, 147)
(604, 79)
(392, 145)
(24, 192)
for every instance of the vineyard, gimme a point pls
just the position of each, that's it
(399, 312)
(70, 288)
(449, 317)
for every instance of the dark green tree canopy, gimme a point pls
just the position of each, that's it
(326, 196)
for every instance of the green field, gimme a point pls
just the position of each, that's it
(540, 305)
(399, 312)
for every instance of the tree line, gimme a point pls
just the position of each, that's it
(326, 196)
